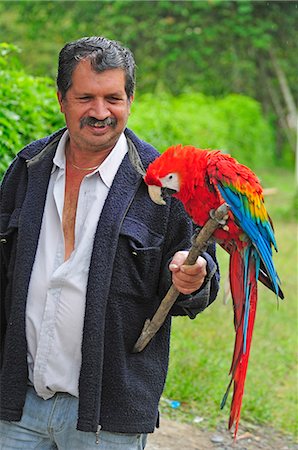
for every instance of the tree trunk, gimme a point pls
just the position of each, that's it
(285, 89)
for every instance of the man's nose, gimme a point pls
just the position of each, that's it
(99, 109)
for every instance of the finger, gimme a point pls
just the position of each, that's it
(194, 269)
(187, 289)
(186, 283)
(199, 267)
(174, 267)
(179, 258)
(188, 278)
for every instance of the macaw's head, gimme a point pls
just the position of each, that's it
(169, 173)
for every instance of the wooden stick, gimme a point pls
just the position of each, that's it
(152, 326)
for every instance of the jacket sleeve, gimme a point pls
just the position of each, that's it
(179, 234)
(195, 303)
(12, 191)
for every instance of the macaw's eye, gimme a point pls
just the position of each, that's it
(170, 176)
(170, 181)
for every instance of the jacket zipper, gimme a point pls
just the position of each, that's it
(97, 434)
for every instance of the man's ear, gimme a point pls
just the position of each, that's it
(60, 100)
(131, 99)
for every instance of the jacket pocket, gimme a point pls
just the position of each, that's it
(138, 261)
(9, 224)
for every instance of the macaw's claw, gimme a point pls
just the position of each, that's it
(222, 221)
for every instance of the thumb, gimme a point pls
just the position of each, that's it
(177, 261)
(174, 267)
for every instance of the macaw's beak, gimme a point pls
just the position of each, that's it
(155, 194)
(158, 194)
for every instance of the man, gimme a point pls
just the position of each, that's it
(86, 258)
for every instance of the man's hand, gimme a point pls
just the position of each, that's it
(187, 279)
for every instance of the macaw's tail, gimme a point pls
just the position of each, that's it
(244, 268)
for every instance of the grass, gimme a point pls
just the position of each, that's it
(201, 350)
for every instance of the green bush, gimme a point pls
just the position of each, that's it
(233, 124)
(29, 108)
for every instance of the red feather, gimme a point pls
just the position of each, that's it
(240, 358)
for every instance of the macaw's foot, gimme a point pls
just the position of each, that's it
(222, 222)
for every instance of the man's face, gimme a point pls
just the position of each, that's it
(94, 97)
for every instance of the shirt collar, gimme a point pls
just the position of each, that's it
(107, 170)
(59, 158)
(111, 164)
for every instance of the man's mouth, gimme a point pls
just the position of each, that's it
(93, 122)
(98, 125)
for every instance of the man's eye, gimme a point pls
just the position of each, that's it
(114, 99)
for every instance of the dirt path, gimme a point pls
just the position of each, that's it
(180, 436)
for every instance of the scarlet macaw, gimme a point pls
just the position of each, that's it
(203, 180)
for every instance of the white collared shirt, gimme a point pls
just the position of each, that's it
(57, 290)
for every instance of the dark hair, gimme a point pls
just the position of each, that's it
(103, 54)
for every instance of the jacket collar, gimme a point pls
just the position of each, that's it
(37, 150)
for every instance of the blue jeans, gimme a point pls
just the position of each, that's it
(51, 424)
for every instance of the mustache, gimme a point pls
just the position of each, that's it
(92, 121)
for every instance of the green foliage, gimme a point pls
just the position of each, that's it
(234, 124)
(9, 56)
(282, 203)
(29, 109)
(214, 47)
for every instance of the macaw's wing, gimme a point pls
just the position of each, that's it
(241, 189)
